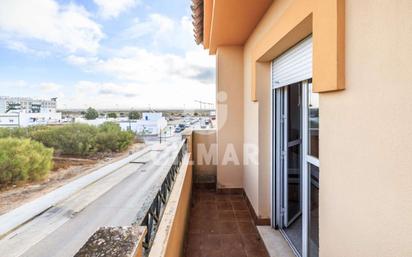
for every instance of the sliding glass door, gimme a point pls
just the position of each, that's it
(311, 168)
(296, 166)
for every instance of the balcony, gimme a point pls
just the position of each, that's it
(221, 225)
(189, 217)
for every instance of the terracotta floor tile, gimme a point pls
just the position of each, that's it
(226, 215)
(206, 205)
(194, 241)
(231, 241)
(224, 206)
(212, 253)
(235, 253)
(237, 197)
(204, 213)
(222, 198)
(239, 205)
(212, 227)
(227, 227)
(243, 215)
(199, 226)
(247, 227)
(211, 242)
(193, 253)
(221, 225)
(252, 242)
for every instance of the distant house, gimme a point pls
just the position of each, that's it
(24, 112)
(150, 124)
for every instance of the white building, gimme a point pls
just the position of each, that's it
(152, 116)
(150, 124)
(24, 112)
(95, 122)
(26, 104)
(24, 119)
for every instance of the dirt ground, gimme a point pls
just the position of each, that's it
(65, 170)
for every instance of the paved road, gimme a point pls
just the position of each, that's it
(112, 201)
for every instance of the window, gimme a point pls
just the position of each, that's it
(313, 122)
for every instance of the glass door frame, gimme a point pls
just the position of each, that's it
(279, 164)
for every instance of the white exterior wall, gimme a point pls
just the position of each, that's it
(9, 120)
(22, 119)
(152, 115)
(33, 119)
(151, 127)
(26, 104)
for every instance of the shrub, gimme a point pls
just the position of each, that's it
(133, 115)
(76, 139)
(111, 138)
(73, 139)
(112, 115)
(109, 127)
(91, 114)
(14, 132)
(23, 159)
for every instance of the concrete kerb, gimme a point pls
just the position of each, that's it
(17, 217)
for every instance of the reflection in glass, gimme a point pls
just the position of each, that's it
(313, 113)
(314, 211)
(294, 226)
(293, 182)
(294, 112)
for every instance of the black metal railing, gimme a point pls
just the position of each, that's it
(154, 214)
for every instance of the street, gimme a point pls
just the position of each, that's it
(113, 200)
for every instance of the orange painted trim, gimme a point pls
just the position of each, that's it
(233, 21)
(207, 21)
(329, 45)
(325, 20)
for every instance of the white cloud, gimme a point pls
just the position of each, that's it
(85, 88)
(146, 78)
(140, 65)
(112, 8)
(156, 25)
(49, 87)
(68, 26)
(23, 48)
(9, 84)
(170, 94)
(162, 32)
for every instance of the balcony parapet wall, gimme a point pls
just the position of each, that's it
(114, 241)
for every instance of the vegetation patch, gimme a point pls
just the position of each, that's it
(23, 160)
(79, 140)
(26, 154)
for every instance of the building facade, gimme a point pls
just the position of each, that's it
(313, 95)
(24, 112)
(27, 104)
(150, 124)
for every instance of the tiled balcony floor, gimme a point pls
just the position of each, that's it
(221, 226)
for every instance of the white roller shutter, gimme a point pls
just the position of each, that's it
(294, 65)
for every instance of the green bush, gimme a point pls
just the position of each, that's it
(76, 139)
(91, 114)
(14, 132)
(73, 139)
(112, 115)
(109, 126)
(134, 115)
(111, 138)
(23, 160)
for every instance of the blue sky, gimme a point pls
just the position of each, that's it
(103, 53)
